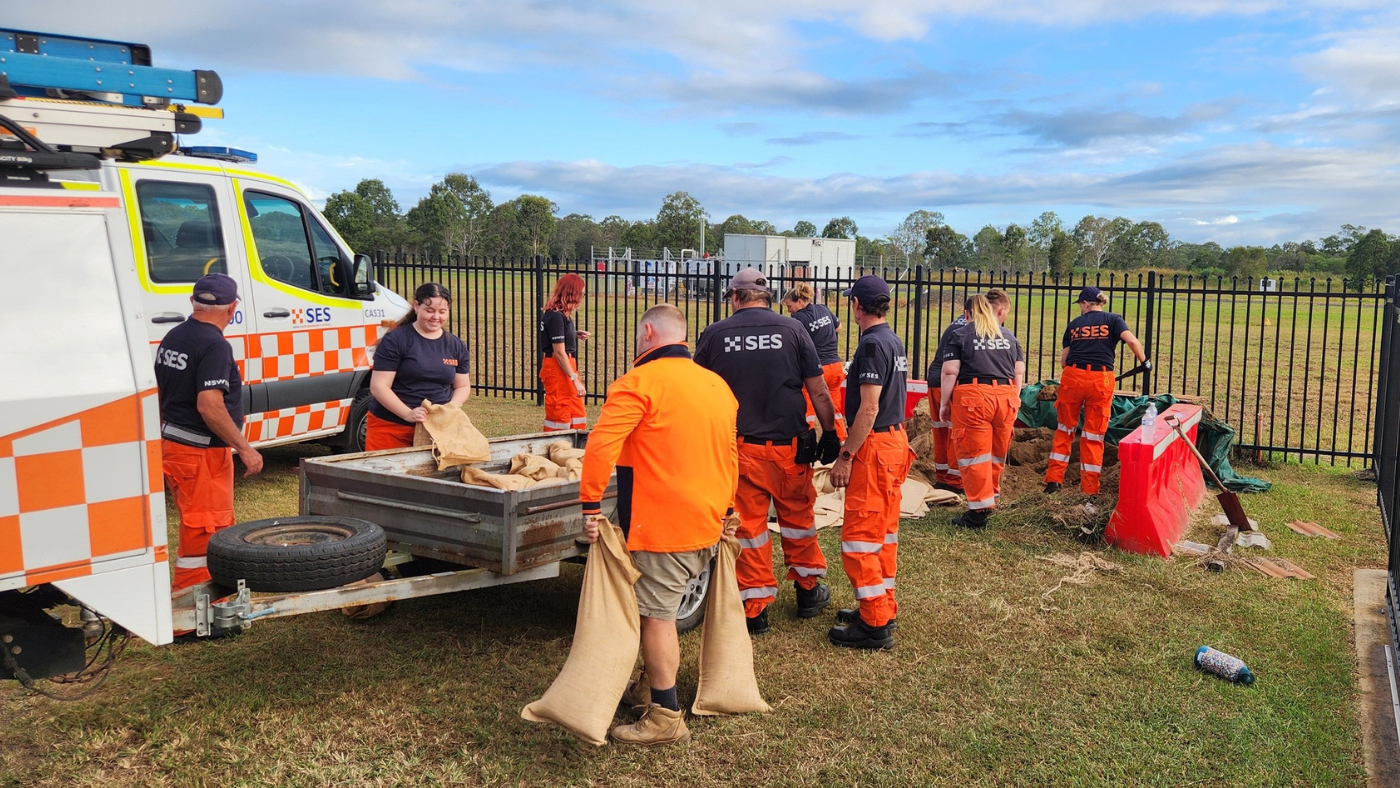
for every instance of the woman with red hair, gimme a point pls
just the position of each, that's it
(563, 387)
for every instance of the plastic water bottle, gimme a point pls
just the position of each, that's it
(1149, 422)
(1223, 665)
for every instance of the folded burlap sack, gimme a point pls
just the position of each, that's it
(533, 466)
(607, 634)
(727, 681)
(571, 470)
(501, 481)
(561, 452)
(455, 440)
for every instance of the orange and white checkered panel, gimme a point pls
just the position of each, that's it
(296, 421)
(299, 354)
(82, 489)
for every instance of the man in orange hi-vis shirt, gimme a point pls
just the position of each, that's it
(671, 424)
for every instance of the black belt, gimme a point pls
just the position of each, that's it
(888, 428)
(985, 381)
(767, 441)
(1092, 367)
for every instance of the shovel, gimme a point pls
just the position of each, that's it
(1229, 502)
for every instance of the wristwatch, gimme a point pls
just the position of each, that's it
(845, 455)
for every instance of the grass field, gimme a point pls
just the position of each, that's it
(1292, 369)
(998, 676)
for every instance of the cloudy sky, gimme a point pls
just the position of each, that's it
(1244, 121)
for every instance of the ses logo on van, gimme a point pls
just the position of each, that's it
(315, 314)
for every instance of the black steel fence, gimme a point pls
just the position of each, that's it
(1293, 364)
(1387, 438)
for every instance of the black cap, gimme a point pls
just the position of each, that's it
(216, 290)
(1090, 294)
(867, 287)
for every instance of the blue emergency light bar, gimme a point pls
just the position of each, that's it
(222, 153)
(34, 63)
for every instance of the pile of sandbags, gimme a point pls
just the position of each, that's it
(563, 464)
(916, 496)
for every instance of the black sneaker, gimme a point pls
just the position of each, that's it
(1052, 487)
(947, 487)
(861, 635)
(810, 603)
(758, 625)
(974, 519)
(851, 615)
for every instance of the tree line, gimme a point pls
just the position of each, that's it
(459, 217)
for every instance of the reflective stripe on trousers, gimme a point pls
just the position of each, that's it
(870, 528)
(945, 454)
(1092, 394)
(201, 482)
(563, 407)
(770, 477)
(983, 416)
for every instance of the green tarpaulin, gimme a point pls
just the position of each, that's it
(1213, 436)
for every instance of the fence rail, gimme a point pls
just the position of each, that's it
(1295, 368)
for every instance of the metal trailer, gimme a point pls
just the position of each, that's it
(498, 537)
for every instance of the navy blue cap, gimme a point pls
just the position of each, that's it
(1090, 294)
(867, 287)
(216, 290)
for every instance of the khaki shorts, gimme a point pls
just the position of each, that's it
(664, 578)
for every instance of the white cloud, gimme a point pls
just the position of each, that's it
(1362, 64)
(1321, 187)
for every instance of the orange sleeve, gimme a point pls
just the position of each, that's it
(621, 414)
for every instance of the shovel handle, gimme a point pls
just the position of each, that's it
(1176, 425)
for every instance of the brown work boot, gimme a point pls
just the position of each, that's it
(638, 694)
(657, 726)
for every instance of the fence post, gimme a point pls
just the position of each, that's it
(717, 290)
(528, 351)
(917, 339)
(381, 271)
(1148, 319)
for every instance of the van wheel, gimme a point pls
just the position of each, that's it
(357, 423)
(692, 609)
(289, 554)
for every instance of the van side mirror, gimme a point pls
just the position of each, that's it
(363, 274)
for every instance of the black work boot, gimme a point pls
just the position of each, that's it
(851, 615)
(758, 625)
(861, 635)
(1052, 487)
(812, 602)
(948, 487)
(973, 518)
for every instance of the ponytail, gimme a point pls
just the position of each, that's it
(984, 319)
(802, 291)
(425, 291)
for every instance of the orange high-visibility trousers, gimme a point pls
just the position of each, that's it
(563, 407)
(769, 474)
(833, 373)
(201, 482)
(1093, 393)
(945, 454)
(984, 416)
(383, 434)
(870, 529)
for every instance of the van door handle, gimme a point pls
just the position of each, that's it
(168, 317)
(277, 313)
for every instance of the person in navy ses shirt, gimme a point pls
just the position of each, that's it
(418, 360)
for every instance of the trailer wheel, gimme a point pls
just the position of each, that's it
(296, 553)
(692, 609)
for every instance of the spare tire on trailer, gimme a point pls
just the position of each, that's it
(288, 554)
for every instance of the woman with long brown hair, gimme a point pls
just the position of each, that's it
(418, 360)
(563, 386)
(983, 370)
